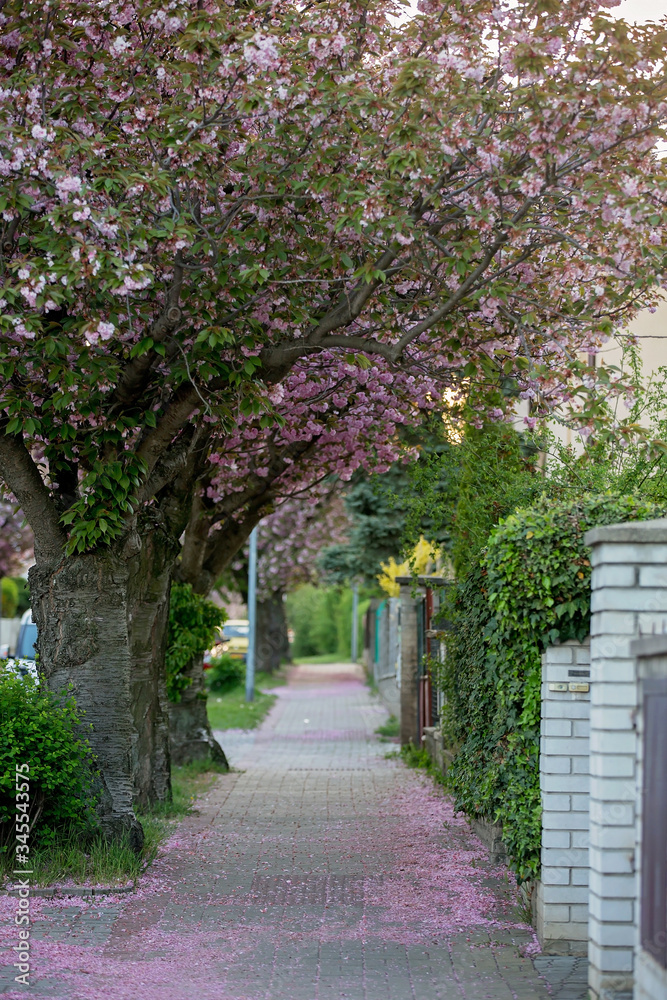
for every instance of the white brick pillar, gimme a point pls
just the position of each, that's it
(409, 695)
(562, 894)
(628, 597)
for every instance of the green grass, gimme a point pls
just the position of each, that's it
(417, 757)
(68, 859)
(231, 711)
(94, 861)
(390, 728)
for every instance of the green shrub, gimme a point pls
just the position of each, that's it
(322, 620)
(303, 609)
(44, 731)
(531, 589)
(389, 729)
(23, 591)
(193, 623)
(324, 627)
(224, 673)
(10, 597)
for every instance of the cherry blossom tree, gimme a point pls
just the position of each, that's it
(198, 198)
(330, 420)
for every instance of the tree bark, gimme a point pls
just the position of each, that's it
(190, 731)
(150, 571)
(272, 643)
(81, 609)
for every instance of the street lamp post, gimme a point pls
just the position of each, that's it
(252, 618)
(355, 622)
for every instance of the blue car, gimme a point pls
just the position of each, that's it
(23, 660)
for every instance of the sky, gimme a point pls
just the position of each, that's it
(631, 10)
(641, 10)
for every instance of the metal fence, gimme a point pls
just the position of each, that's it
(382, 647)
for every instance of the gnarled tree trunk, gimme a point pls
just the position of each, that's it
(190, 731)
(81, 609)
(271, 641)
(148, 613)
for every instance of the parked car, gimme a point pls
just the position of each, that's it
(23, 660)
(232, 640)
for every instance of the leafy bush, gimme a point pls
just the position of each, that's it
(23, 591)
(10, 597)
(530, 589)
(303, 607)
(461, 492)
(224, 673)
(39, 729)
(322, 620)
(193, 623)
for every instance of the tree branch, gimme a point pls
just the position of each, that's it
(184, 401)
(20, 473)
(136, 373)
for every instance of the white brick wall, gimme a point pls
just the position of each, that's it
(561, 913)
(629, 596)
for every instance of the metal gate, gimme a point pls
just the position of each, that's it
(654, 822)
(428, 645)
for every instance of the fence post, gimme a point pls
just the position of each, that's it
(409, 661)
(562, 893)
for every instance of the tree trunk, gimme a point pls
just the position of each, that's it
(190, 731)
(149, 584)
(80, 605)
(271, 642)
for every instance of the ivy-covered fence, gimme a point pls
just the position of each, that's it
(530, 589)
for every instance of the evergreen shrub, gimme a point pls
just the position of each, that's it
(322, 620)
(10, 597)
(224, 673)
(193, 625)
(44, 731)
(530, 589)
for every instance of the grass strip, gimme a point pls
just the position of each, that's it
(69, 859)
(230, 710)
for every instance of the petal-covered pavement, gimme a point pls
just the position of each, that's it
(318, 870)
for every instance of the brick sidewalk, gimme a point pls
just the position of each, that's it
(319, 870)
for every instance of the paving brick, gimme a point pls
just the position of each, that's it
(302, 876)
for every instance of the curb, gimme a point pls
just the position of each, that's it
(74, 890)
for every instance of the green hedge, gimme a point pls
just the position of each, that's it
(225, 673)
(43, 731)
(322, 620)
(193, 624)
(530, 589)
